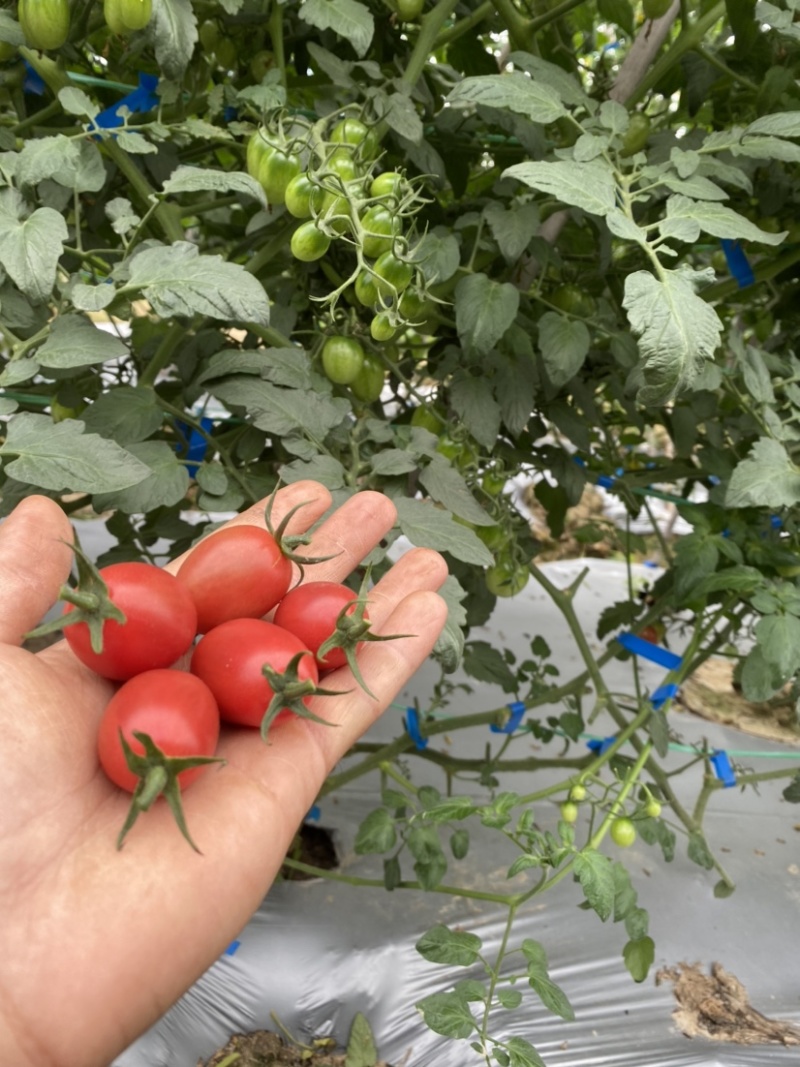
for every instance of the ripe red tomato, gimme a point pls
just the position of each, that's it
(175, 709)
(236, 573)
(161, 623)
(230, 658)
(310, 612)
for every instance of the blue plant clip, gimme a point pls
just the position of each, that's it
(776, 522)
(412, 728)
(738, 263)
(714, 479)
(600, 745)
(605, 481)
(138, 101)
(723, 768)
(314, 813)
(663, 694)
(579, 460)
(197, 445)
(230, 114)
(517, 710)
(232, 947)
(33, 82)
(647, 650)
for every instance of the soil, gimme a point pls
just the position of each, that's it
(710, 693)
(266, 1049)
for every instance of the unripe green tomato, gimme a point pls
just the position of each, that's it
(493, 482)
(7, 51)
(393, 274)
(275, 172)
(342, 164)
(577, 793)
(333, 208)
(427, 417)
(226, 53)
(506, 578)
(381, 327)
(573, 300)
(354, 132)
(127, 16)
(45, 23)
(368, 383)
(258, 148)
(410, 10)
(569, 811)
(260, 65)
(381, 227)
(720, 263)
(366, 290)
(59, 411)
(298, 196)
(388, 184)
(209, 35)
(654, 9)
(636, 135)
(342, 359)
(652, 808)
(309, 242)
(765, 324)
(623, 832)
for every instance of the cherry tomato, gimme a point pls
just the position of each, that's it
(45, 23)
(390, 183)
(577, 793)
(380, 226)
(494, 482)
(258, 148)
(209, 35)
(572, 299)
(230, 658)
(342, 359)
(366, 290)
(428, 418)
(161, 623)
(569, 811)
(309, 243)
(298, 196)
(260, 64)
(652, 633)
(636, 135)
(368, 383)
(342, 164)
(652, 808)
(654, 9)
(126, 16)
(381, 328)
(506, 578)
(226, 53)
(393, 275)
(410, 10)
(275, 171)
(236, 573)
(176, 709)
(623, 832)
(354, 132)
(310, 611)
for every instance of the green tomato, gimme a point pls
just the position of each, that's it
(133, 14)
(493, 482)
(577, 793)
(45, 23)
(636, 135)
(381, 228)
(275, 172)
(569, 811)
(258, 148)
(388, 184)
(342, 359)
(654, 9)
(494, 537)
(299, 195)
(573, 300)
(309, 242)
(368, 383)
(366, 290)
(226, 53)
(381, 327)
(261, 63)
(410, 10)
(652, 808)
(623, 832)
(59, 411)
(209, 35)
(393, 274)
(342, 164)
(427, 417)
(506, 578)
(354, 132)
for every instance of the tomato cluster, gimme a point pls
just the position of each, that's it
(132, 623)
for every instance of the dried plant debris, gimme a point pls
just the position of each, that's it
(263, 1048)
(711, 694)
(716, 1006)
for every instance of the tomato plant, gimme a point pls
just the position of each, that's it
(342, 359)
(506, 577)
(45, 23)
(637, 134)
(238, 572)
(623, 832)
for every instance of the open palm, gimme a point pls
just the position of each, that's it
(96, 944)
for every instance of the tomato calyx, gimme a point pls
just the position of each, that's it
(158, 776)
(287, 543)
(289, 691)
(90, 602)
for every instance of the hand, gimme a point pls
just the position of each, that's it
(96, 944)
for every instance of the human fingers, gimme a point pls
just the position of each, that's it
(418, 569)
(35, 560)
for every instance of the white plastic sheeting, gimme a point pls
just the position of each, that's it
(316, 953)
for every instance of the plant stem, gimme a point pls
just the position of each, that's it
(458, 29)
(430, 26)
(163, 354)
(168, 216)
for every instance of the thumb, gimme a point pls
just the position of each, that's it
(34, 563)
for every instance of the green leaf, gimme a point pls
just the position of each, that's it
(177, 280)
(75, 341)
(392, 876)
(429, 527)
(564, 344)
(543, 72)
(778, 637)
(361, 1048)
(698, 851)
(522, 1053)
(594, 873)
(767, 478)
(62, 457)
(696, 557)
(624, 893)
(459, 843)
(637, 923)
(456, 947)
(401, 116)
(172, 31)
(393, 461)
(696, 186)
(199, 179)
(121, 215)
(437, 254)
(638, 956)
(449, 645)
(512, 227)
(447, 1014)
(127, 413)
(508, 998)
(445, 485)
(10, 30)
(484, 311)
(759, 678)
(486, 663)
(477, 408)
(280, 411)
(589, 186)
(92, 297)
(348, 19)
(376, 833)
(447, 809)
(553, 998)
(165, 486)
(76, 102)
(74, 164)
(792, 791)
(756, 375)
(687, 218)
(783, 124)
(513, 91)
(431, 864)
(30, 249)
(677, 330)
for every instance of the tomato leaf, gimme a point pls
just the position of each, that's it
(593, 871)
(172, 30)
(429, 527)
(510, 92)
(196, 179)
(361, 1050)
(639, 956)
(74, 341)
(442, 945)
(30, 248)
(484, 311)
(447, 1014)
(564, 344)
(166, 484)
(767, 477)
(376, 833)
(348, 19)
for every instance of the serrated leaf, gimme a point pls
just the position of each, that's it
(676, 330)
(361, 1049)
(589, 146)
(393, 461)
(338, 70)
(698, 851)
(476, 407)
(449, 646)
(513, 91)
(127, 414)
(131, 141)
(594, 873)
(172, 31)
(687, 218)
(278, 410)
(484, 311)
(92, 297)
(625, 228)
(564, 344)
(566, 85)
(30, 249)
(75, 164)
(348, 19)
(376, 833)
(638, 956)
(522, 1053)
(766, 478)
(427, 526)
(696, 186)
(455, 947)
(75, 102)
(327, 470)
(177, 280)
(121, 215)
(430, 863)
(768, 148)
(551, 995)
(166, 485)
(75, 342)
(779, 639)
(204, 179)
(447, 486)
(447, 1014)
(589, 186)
(447, 809)
(401, 116)
(512, 227)
(486, 663)
(508, 998)
(62, 457)
(782, 124)
(437, 254)
(759, 679)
